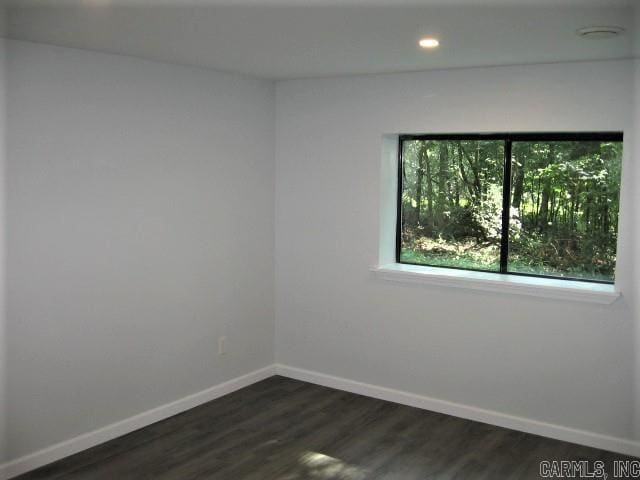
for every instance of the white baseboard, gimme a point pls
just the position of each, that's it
(559, 432)
(96, 437)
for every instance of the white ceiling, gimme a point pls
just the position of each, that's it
(280, 39)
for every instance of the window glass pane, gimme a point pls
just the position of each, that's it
(452, 203)
(564, 215)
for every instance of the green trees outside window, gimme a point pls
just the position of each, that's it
(562, 193)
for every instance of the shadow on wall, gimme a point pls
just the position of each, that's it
(636, 33)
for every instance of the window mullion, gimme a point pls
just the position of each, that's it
(506, 207)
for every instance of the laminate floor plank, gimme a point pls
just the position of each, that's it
(284, 429)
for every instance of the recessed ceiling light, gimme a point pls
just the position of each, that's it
(429, 42)
(599, 32)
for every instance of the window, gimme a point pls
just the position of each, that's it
(525, 204)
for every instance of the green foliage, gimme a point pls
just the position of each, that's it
(564, 206)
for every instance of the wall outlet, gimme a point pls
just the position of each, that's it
(222, 345)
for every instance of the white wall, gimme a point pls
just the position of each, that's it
(636, 32)
(636, 238)
(565, 363)
(140, 229)
(636, 201)
(3, 20)
(3, 340)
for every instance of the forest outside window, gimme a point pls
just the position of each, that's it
(543, 205)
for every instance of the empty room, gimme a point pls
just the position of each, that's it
(319, 239)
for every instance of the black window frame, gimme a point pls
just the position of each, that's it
(508, 139)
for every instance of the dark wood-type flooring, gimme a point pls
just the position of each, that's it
(283, 429)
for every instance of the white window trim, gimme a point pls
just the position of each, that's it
(388, 270)
(558, 289)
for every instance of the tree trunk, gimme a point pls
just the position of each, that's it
(443, 181)
(543, 217)
(518, 184)
(474, 165)
(429, 189)
(419, 179)
(465, 178)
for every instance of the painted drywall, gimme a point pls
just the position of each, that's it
(636, 32)
(561, 362)
(3, 20)
(3, 340)
(140, 230)
(636, 257)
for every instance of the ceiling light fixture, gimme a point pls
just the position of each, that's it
(597, 33)
(429, 42)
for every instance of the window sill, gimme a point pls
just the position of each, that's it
(496, 282)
